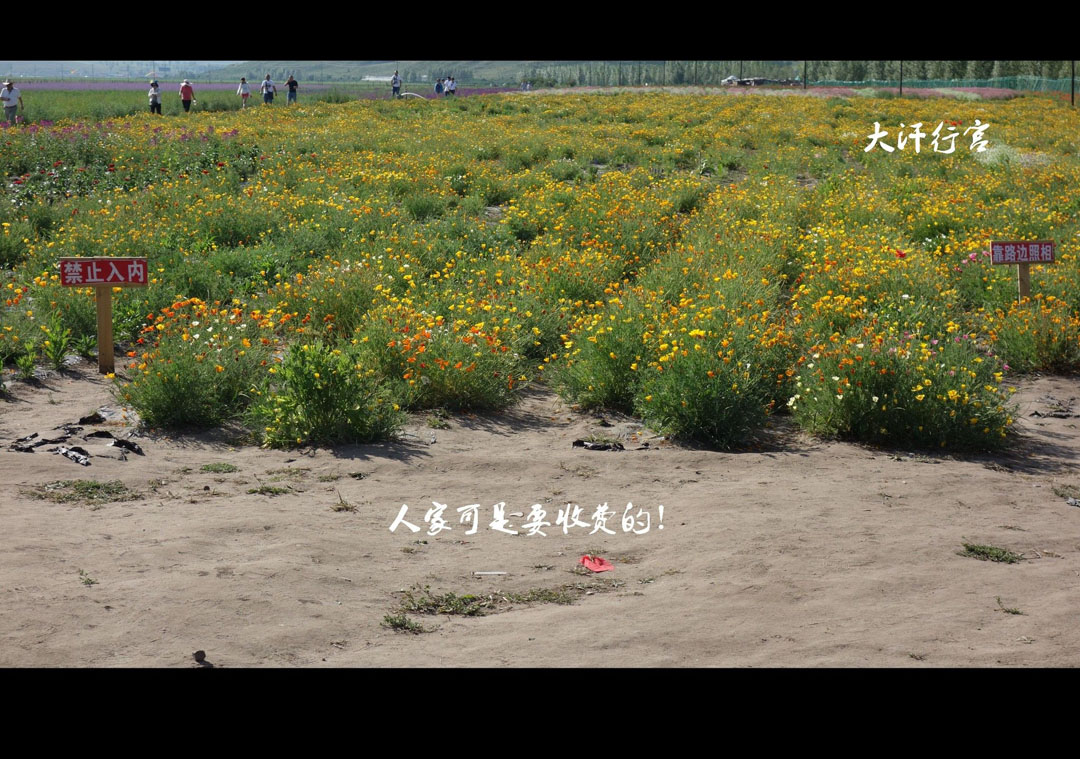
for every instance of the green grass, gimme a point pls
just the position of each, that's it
(1067, 491)
(401, 623)
(342, 505)
(84, 491)
(1006, 609)
(220, 467)
(438, 419)
(267, 490)
(99, 105)
(288, 473)
(426, 602)
(423, 601)
(990, 553)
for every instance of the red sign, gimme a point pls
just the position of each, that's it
(1022, 252)
(118, 272)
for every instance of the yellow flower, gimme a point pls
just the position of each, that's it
(919, 397)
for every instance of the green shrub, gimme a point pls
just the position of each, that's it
(939, 395)
(12, 248)
(195, 382)
(604, 367)
(422, 206)
(1043, 334)
(321, 394)
(702, 398)
(58, 341)
(460, 368)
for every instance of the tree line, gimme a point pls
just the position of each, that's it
(638, 73)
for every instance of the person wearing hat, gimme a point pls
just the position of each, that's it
(244, 91)
(155, 98)
(12, 100)
(187, 95)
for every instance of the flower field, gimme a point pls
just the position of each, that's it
(702, 263)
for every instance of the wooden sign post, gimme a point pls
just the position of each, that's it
(103, 274)
(1023, 254)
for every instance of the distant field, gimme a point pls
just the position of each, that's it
(54, 101)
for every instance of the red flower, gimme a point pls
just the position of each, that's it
(900, 254)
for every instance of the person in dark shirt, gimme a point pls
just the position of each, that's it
(292, 84)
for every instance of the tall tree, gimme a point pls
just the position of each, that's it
(937, 70)
(957, 69)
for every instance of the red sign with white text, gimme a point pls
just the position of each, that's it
(1022, 252)
(118, 272)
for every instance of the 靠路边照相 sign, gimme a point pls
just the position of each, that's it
(1022, 252)
(116, 272)
(103, 274)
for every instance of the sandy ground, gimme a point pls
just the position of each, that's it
(800, 553)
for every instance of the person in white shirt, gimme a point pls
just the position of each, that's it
(451, 88)
(268, 89)
(244, 91)
(12, 100)
(395, 84)
(155, 98)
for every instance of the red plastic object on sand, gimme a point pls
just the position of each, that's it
(595, 563)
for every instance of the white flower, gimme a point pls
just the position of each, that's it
(875, 398)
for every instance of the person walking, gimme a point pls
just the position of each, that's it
(451, 87)
(268, 89)
(438, 87)
(12, 100)
(244, 91)
(292, 84)
(187, 95)
(395, 85)
(155, 98)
